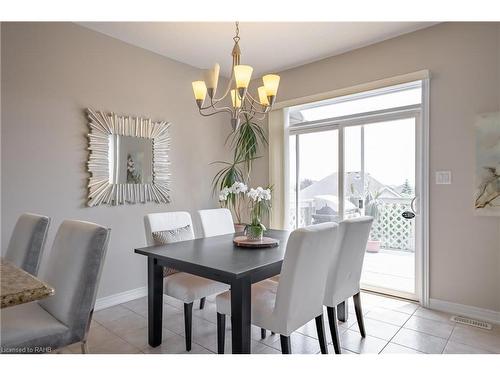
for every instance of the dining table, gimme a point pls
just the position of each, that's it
(216, 258)
(18, 286)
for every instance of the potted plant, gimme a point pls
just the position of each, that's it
(245, 142)
(372, 208)
(260, 203)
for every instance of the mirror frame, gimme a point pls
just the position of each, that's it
(100, 190)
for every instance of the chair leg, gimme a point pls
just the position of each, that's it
(320, 327)
(286, 345)
(334, 329)
(262, 333)
(359, 313)
(188, 323)
(84, 347)
(202, 303)
(221, 333)
(342, 312)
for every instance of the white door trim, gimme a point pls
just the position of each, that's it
(424, 192)
(422, 287)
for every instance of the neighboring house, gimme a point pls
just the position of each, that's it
(388, 193)
(353, 183)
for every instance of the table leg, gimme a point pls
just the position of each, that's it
(241, 305)
(342, 311)
(155, 302)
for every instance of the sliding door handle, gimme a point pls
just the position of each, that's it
(412, 205)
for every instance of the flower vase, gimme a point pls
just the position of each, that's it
(255, 232)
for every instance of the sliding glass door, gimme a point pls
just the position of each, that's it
(314, 184)
(362, 164)
(379, 181)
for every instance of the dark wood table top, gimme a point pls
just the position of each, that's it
(18, 286)
(218, 255)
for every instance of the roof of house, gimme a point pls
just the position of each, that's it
(353, 183)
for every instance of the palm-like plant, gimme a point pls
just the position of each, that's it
(245, 142)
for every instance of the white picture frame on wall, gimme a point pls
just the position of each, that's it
(487, 174)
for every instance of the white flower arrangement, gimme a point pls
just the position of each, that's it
(234, 196)
(236, 189)
(224, 194)
(259, 194)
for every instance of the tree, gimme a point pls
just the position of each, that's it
(406, 189)
(305, 183)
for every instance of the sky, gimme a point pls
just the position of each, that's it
(389, 152)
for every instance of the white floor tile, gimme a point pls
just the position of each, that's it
(419, 341)
(378, 329)
(269, 340)
(125, 324)
(268, 350)
(139, 337)
(477, 337)
(123, 329)
(392, 348)
(301, 344)
(353, 342)
(457, 348)
(111, 313)
(431, 327)
(176, 345)
(388, 316)
(432, 314)
(114, 346)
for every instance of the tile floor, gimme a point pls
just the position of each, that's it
(392, 326)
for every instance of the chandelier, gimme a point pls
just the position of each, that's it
(243, 104)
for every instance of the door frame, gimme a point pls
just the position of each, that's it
(421, 113)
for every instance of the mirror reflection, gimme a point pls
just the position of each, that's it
(131, 160)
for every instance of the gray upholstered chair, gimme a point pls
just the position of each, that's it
(73, 269)
(168, 227)
(27, 242)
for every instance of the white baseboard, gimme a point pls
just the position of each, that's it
(116, 299)
(467, 311)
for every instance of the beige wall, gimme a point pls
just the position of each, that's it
(50, 73)
(464, 62)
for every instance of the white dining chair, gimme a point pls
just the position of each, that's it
(216, 222)
(345, 273)
(298, 297)
(167, 227)
(73, 270)
(27, 242)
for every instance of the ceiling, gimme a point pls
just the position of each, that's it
(267, 46)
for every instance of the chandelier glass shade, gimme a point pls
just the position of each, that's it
(242, 103)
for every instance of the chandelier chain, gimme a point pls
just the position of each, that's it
(237, 36)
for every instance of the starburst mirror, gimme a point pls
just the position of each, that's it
(128, 159)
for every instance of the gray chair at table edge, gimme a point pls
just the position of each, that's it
(74, 269)
(27, 242)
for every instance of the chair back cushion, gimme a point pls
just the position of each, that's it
(216, 222)
(27, 242)
(345, 272)
(74, 269)
(167, 227)
(301, 287)
(167, 221)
